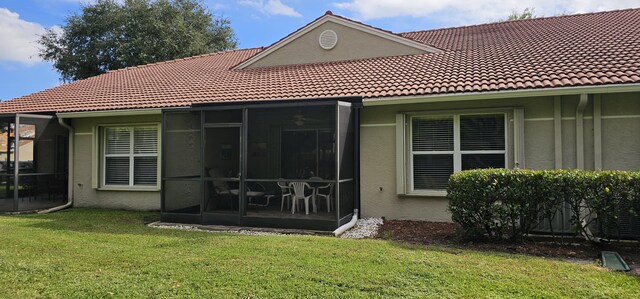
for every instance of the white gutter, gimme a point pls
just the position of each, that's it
(345, 227)
(468, 96)
(70, 172)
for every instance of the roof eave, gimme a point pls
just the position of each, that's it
(102, 113)
(469, 96)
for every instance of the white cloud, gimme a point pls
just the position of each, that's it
(271, 7)
(476, 11)
(18, 38)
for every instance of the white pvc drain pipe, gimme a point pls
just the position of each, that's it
(345, 227)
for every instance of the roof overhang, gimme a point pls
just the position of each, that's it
(341, 21)
(103, 113)
(469, 96)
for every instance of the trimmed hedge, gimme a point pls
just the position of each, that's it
(510, 203)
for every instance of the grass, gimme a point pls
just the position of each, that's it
(99, 253)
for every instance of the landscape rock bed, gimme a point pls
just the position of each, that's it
(364, 228)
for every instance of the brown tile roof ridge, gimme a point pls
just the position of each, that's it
(519, 21)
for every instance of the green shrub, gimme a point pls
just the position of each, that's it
(510, 203)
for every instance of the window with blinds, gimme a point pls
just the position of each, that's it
(130, 156)
(442, 145)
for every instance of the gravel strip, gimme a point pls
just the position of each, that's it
(364, 228)
(231, 231)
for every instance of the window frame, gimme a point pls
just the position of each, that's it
(131, 155)
(456, 152)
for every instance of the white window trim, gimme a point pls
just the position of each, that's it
(405, 170)
(132, 156)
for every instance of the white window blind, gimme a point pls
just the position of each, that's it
(130, 156)
(145, 140)
(442, 145)
(118, 141)
(433, 145)
(117, 171)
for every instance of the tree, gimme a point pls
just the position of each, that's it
(527, 13)
(111, 34)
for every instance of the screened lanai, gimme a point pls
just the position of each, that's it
(33, 163)
(289, 164)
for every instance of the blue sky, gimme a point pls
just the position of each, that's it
(260, 23)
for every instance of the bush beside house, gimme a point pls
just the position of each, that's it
(510, 203)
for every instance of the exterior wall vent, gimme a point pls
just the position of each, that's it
(328, 39)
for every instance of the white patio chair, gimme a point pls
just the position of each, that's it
(299, 189)
(286, 193)
(320, 192)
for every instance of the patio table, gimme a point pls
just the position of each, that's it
(252, 194)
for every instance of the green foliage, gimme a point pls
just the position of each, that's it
(88, 253)
(110, 35)
(527, 13)
(509, 203)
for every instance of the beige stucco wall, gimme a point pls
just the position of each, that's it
(352, 44)
(85, 195)
(620, 143)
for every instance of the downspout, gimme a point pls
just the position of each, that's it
(597, 132)
(584, 99)
(557, 131)
(70, 171)
(345, 227)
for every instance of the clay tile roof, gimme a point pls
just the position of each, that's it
(579, 50)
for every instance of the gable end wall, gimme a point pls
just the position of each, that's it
(352, 44)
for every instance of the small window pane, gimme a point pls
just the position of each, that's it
(27, 131)
(25, 155)
(432, 171)
(145, 140)
(432, 134)
(117, 171)
(476, 161)
(145, 171)
(482, 132)
(117, 141)
(223, 116)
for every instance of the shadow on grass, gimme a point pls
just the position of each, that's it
(581, 253)
(107, 221)
(87, 220)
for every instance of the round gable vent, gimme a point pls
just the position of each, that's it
(328, 39)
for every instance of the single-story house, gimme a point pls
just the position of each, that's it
(334, 119)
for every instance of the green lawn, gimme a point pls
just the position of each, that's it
(99, 253)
